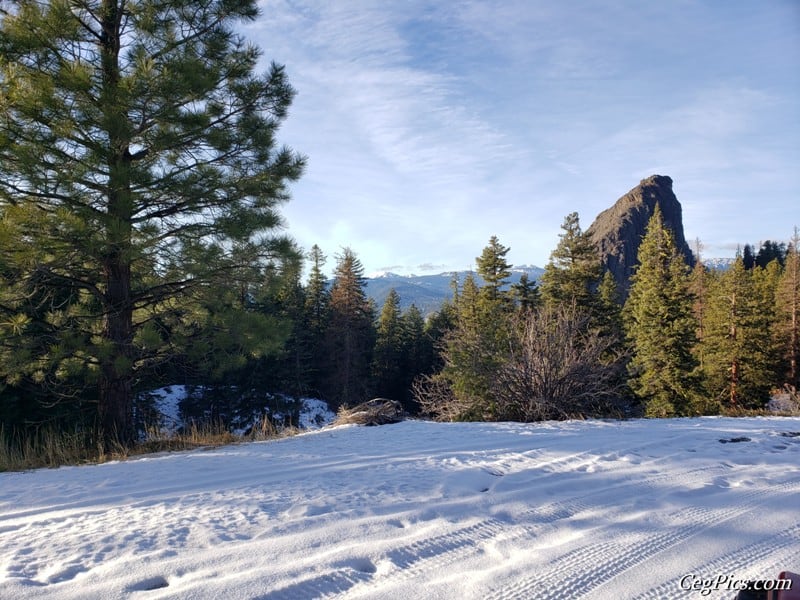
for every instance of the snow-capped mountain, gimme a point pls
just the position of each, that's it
(428, 292)
(719, 264)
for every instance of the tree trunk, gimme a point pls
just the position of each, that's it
(116, 400)
(116, 370)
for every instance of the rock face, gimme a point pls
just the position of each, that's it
(618, 231)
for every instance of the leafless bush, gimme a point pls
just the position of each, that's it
(555, 366)
(558, 366)
(436, 399)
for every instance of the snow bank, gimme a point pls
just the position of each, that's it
(590, 509)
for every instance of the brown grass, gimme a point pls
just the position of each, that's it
(51, 449)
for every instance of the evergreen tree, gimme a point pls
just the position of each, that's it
(770, 251)
(748, 259)
(475, 347)
(317, 319)
(608, 311)
(389, 355)
(737, 341)
(419, 357)
(289, 300)
(787, 324)
(137, 148)
(698, 287)
(349, 337)
(574, 269)
(493, 269)
(526, 293)
(660, 326)
(317, 296)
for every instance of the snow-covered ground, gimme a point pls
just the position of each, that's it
(594, 509)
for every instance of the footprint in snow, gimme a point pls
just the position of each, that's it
(149, 584)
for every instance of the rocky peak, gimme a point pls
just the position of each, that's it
(618, 231)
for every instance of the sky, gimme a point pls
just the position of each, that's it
(431, 126)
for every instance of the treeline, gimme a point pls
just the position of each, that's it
(684, 342)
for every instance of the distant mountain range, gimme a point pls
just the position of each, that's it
(428, 292)
(719, 264)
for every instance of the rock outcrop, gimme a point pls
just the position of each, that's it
(618, 231)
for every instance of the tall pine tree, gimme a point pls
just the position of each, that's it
(736, 340)
(388, 356)
(660, 326)
(350, 335)
(574, 270)
(137, 149)
(787, 324)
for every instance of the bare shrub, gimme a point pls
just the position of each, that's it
(557, 367)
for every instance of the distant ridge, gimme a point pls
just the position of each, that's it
(618, 231)
(428, 292)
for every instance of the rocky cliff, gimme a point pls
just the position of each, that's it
(618, 231)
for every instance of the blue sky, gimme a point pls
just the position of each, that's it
(430, 126)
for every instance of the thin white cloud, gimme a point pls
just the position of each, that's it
(432, 126)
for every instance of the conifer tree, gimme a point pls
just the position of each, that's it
(350, 336)
(317, 318)
(574, 269)
(317, 295)
(660, 326)
(494, 269)
(748, 258)
(699, 281)
(787, 324)
(389, 354)
(608, 311)
(418, 353)
(137, 149)
(770, 251)
(476, 346)
(737, 341)
(526, 294)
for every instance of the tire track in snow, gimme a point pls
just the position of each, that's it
(737, 563)
(325, 585)
(586, 568)
(418, 559)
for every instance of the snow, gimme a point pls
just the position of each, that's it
(579, 509)
(169, 419)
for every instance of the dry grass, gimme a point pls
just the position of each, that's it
(379, 411)
(50, 449)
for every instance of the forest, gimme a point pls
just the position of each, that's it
(141, 245)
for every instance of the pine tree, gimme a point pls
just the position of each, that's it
(317, 296)
(350, 336)
(317, 319)
(699, 281)
(607, 318)
(574, 269)
(787, 324)
(748, 258)
(737, 353)
(660, 326)
(770, 251)
(526, 294)
(389, 354)
(137, 148)
(493, 269)
(419, 357)
(474, 348)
